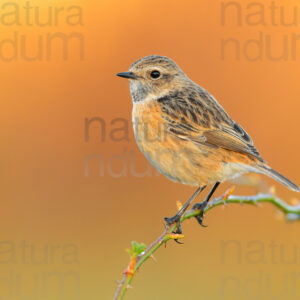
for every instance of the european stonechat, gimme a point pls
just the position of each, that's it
(185, 132)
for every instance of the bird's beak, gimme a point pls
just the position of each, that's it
(128, 75)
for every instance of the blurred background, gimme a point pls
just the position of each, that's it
(76, 192)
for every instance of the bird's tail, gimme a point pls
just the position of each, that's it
(264, 169)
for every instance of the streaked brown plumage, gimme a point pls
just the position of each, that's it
(185, 132)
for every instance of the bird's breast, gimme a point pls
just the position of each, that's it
(169, 154)
(148, 125)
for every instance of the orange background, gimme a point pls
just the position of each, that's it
(47, 200)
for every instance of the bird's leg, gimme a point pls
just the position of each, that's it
(203, 204)
(177, 217)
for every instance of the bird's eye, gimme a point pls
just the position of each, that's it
(155, 74)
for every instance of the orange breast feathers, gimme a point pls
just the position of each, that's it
(179, 159)
(148, 123)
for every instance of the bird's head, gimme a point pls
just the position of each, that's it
(153, 76)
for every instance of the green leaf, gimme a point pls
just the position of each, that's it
(137, 248)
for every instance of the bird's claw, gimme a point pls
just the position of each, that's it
(201, 206)
(200, 220)
(180, 243)
(174, 220)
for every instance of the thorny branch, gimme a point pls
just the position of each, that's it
(139, 253)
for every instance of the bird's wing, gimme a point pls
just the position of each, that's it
(199, 118)
(231, 142)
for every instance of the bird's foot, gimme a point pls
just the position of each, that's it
(201, 206)
(175, 220)
(182, 209)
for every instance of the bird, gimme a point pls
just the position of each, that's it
(186, 134)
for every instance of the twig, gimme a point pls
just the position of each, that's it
(140, 253)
